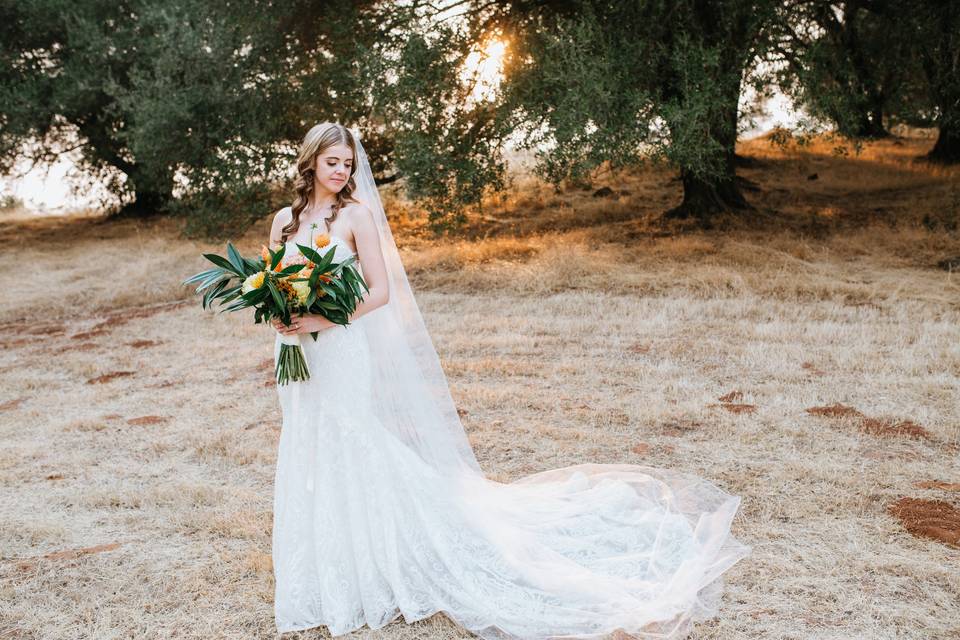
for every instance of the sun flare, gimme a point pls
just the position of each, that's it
(484, 68)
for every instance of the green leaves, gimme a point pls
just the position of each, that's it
(224, 284)
(276, 256)
(223, 263)
(277, 298)
(322, 262)
(209, 296)
(235, 259)
(205, 278)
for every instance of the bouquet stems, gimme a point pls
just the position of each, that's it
(291, 365)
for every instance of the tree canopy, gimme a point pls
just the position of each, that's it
(195, 108)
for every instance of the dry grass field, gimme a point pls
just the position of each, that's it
(805, 356)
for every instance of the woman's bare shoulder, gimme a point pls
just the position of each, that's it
(284, 216)
(280, 219)
(358, 211)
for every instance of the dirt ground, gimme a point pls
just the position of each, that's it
(804, 355)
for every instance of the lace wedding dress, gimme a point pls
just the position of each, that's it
(368, 527)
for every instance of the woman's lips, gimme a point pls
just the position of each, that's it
(335, 180)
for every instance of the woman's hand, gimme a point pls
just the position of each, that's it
(300, 323)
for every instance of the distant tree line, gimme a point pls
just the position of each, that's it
(195, 108)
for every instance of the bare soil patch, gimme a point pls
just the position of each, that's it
(836, 410)
(143, 344)
(734, 407)
(120, 317)
(935, 519)
(882, 427)
(937, 484)
(30, 563)
(107, 377)
(645, 448)
(679, 428)
(12, 404)
(894, 428)
(727, 401)
(147, 420)
(813, 369)
(640, 347)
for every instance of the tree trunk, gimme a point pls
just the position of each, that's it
(704, 196)
(150, 194)
(947, 148)
(146, 203)
(871, 123)
(877, 130)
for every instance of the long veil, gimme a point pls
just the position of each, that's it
(412, 396)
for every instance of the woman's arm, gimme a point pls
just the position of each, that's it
(276, 230)
(370, 256)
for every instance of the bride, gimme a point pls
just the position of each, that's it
(381, 509)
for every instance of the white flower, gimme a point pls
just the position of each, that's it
(253, 282)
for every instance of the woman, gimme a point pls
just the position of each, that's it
(381, 509)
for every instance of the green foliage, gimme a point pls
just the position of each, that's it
(935, 34)
(849, 63)
(699, 110)
(597, 82)
(577, 93)
(196, 108)
(223, 211)
(447, 147)
(864, 65)
(182, 106)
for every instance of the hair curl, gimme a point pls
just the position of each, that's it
(318, 139)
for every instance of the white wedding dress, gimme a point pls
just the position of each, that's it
(365, 530)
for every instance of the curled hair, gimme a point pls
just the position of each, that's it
(320, 138)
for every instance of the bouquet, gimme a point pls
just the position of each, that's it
(310, 283)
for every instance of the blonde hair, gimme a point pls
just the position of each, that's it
(318, 139)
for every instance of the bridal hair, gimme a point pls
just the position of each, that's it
(320, 138)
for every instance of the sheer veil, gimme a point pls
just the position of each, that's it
(411, 393)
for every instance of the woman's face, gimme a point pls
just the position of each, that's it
(334, 165)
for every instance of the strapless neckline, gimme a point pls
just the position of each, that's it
(340, 238)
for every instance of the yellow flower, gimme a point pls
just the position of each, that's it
(302, 289)
(265, 254)
(322, 240)
(253, 282)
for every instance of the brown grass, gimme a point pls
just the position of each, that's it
(805, 356)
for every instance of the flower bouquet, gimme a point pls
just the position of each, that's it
(311, 283)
